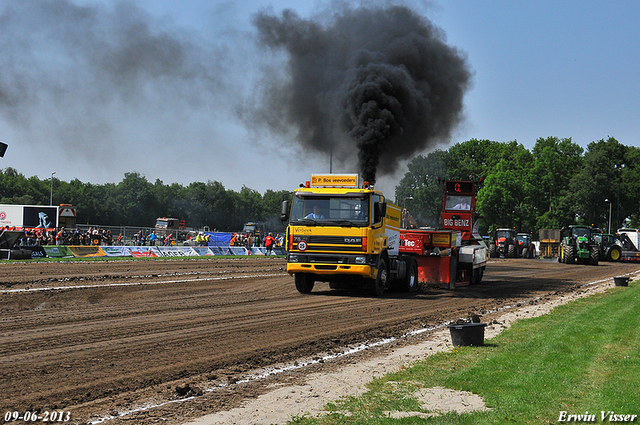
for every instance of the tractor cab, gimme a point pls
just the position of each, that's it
(608, 246)
(504, 243)
(526, 248)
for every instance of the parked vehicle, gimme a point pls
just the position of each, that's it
(526, 247)
(623, 246)
(549, 242)
(608, 246)
(20, 217)
(578, 244)
(505, 243)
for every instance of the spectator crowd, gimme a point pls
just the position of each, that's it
(98, 236)
(62, 236)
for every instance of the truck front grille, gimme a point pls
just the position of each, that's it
(328, 244)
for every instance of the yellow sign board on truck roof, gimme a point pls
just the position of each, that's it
(334, 180)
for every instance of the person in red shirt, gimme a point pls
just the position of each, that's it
(269, 242)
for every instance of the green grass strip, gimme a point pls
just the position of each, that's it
(582, 357)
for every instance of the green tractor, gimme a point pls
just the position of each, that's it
(609, 246)
(578, 244)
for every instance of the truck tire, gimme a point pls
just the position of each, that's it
(493, 252)
(614, 254)
(511, 252)
(411, 279)
(380, 282)
(476, 276)
(480, 275)
(569, 254)
(594, 255)
(304, 282)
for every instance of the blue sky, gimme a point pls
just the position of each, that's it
(540, 68)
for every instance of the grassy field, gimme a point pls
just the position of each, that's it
(581, 359)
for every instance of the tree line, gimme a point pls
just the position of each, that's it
(556, 184)
(137, 202)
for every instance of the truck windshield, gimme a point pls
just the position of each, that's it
(330, 211)
(458, 202)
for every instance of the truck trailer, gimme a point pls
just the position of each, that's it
(21, 217)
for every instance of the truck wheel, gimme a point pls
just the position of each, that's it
(380, 282)
(594, 255)
(493, 252)
(511, 252)
(304, 282)
(476, 275)
(614, 254)
(411, 279)
(569, 254)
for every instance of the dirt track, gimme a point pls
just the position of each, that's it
(101, 338)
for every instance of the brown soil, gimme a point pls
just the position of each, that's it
(147, 341)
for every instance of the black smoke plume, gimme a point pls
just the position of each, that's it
(94, 80)
(380, 79)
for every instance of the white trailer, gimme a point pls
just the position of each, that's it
(629, 240)
(19, 217)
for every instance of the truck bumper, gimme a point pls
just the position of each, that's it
(330, 269)
(476, 255)
(350, 264)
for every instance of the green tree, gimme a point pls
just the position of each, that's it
(555, 161)
(135, 196)
(504, 200)
(221, 204)
(419, 189)
(14, 188)
(272, 206)
(249, 207)
(595, 181)
(474, 158)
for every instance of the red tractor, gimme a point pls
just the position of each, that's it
(505, 242)
(525, 245)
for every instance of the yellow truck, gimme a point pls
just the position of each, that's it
(345, 234)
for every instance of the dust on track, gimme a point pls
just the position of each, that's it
(114, 336)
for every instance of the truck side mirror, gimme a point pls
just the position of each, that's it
(379, 210)
(284, 212)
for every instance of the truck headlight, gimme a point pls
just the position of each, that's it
(361, 260)
(293, 258)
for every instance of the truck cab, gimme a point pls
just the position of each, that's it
(343, 234)
(256, 230)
